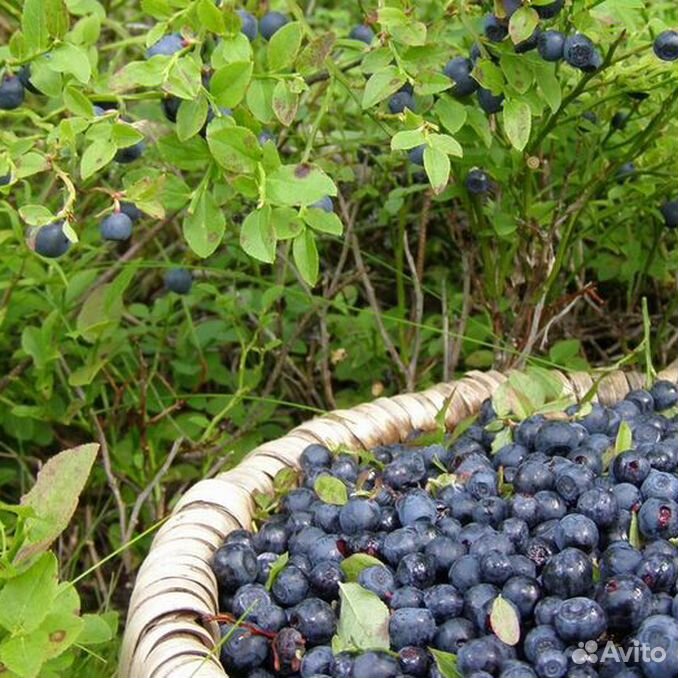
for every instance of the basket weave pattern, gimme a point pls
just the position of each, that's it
(164, 637)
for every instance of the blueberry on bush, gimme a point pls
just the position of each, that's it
(477, 182)
(24, 75)
(495, 30)
(166, 46)
(51, 241)
(400, 101)
(669, 211)
(549, 11)
(551, 45)
(416, 155)
(178, 280)
(459, 71)
(489, 102)
(131, 153)
(11, 93)
(116, 226)
(362, 33)
(250, 26)
(325, 204)
(131, 210)
(666, 46)
(271, 23)
(579, 51)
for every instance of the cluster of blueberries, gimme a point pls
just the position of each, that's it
(576, 538)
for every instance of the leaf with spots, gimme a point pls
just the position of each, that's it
(204, 226)
(382, 84)
(363, 621)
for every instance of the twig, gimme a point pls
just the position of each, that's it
(465, 312)
(146, 493)
(423, 228)
(418, 315)
(446, 333)
(376, 309)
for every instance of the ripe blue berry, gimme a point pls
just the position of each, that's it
(478, 182)
(363, 33)
(178, 280)
(51, 241)
(489, 102)
(166, 46)
(669, 211)
(459, 71)
(551, 45)
(579, 51)
(116, 226)
(11, 93)
(271, 23)
(250, 26)
(666, 46)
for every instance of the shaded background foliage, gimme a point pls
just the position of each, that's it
(420, 281)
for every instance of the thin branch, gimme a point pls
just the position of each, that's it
(376, 308)
(418, 315)
(146, 493)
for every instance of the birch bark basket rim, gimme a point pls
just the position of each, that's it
(175, 587)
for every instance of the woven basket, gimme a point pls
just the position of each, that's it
(164, 637)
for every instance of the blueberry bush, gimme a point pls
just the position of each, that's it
(219, 218)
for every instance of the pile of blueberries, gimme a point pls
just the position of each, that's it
(576, 536)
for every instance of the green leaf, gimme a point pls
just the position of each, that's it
(549, 85)
(100, 314)
(301, 184)
(124, 135)
(211, 17)
(230, 82)
(363, 621)
(503, 437)
(63, 624)
(305, 254)
(24, 654)
(480, 124)
(257, 236)
(34, 25)
(234, 148)
(286, 223)
(331, 490)
(67, 58)
(260, 99)
(185, 77)
(634, 532)
(522, 24)
(191, 117)
(446, 663)
(277, 567)
(489, 75)
(96, 630)
(323, 222)
(355, 564)
(624, 440)
(505, 621)
(437, 166)
(36, 215)
(97, 155)
(76, 102)
(25, 600)
(285, 103)
(284, 46)
(446, 144)
(518, 71)
(451, 113)
(204, 226)
(149, 73)
(381, 85)
(403, 141)
(312, 57)
(517, 123)
(55, 497)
